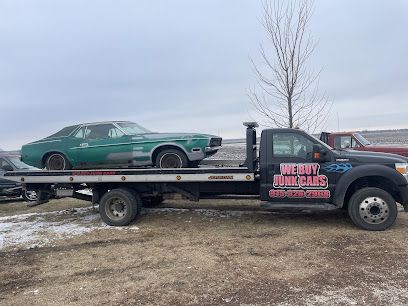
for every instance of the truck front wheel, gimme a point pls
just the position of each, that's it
(119, 207)
(372, 209)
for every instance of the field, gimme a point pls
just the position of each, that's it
(216, 252)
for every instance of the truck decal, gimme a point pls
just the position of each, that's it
(303, 180)
(338, 168)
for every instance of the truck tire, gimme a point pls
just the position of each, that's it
(57, 161)
(372, 209)
(152, 201)
(171, 158)
(119, 207)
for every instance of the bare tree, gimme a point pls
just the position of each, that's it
(287, 92)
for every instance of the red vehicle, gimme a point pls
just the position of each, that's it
(355, 141)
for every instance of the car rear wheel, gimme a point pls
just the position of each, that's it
(29, 195)
(57, 161)
(171, 158)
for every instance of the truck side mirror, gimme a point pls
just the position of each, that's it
(7, 168)
(319, 153)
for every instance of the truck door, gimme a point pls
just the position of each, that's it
(288, 172)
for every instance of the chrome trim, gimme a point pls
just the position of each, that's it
(34, 143)
(212, 149)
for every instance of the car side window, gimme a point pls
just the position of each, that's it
(100, 131)
(3, 162)
(80, 134)
(292, 145)
(115, 133)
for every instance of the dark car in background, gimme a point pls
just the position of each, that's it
(12, 162)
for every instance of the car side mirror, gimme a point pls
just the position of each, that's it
(7, 168)
(319, 153)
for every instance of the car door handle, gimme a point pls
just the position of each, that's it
(83, 145)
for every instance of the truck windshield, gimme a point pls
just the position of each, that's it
(361, 139)
(131, 128)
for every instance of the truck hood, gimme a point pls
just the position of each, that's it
(370, 157)
(394, 149)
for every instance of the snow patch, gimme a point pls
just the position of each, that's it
(40, 229)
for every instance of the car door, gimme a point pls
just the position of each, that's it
(104, 144)
(3, 182)
(290, 172)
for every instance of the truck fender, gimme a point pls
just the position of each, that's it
(358, 172)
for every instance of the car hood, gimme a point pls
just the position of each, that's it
(371, 157)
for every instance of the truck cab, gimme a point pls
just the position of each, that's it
(298, 170)
(356, 141)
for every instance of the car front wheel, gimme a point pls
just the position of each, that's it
(57, 161)
(171, 158)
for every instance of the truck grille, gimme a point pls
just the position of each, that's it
(215, 142)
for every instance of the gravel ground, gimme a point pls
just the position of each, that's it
(217, 253)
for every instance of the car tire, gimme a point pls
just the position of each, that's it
(57, 161)
(119, 207)
(29, 195)
(372, 209)
(171, 158)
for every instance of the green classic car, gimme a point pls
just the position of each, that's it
(117, 144)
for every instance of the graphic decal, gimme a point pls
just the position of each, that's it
(298, 180)
(338, 168)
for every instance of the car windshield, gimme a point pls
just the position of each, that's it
(361, 139)
(65, 131)
(132, 128)
(18, 163)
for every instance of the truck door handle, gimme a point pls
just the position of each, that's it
(83, 145)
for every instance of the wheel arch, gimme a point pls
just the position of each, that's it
(378, 176)
(160, 147)
(48, 153)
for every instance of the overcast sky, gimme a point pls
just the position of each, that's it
(183, 65)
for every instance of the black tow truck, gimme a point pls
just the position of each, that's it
(293, 170)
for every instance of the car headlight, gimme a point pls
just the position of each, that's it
(402, 168)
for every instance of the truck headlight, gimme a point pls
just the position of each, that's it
(402, 168)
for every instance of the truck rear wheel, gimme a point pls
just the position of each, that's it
(372, 209)
(119, 207)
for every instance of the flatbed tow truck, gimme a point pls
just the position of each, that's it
(293, 171)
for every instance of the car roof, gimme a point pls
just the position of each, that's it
(105, 122)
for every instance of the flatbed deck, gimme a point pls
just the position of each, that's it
(206, 174)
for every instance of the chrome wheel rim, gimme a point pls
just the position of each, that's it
(374, 210)
(116, 209)
(170, 160)
(56, 162)
(30, 195)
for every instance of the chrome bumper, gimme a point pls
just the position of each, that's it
(211, 149)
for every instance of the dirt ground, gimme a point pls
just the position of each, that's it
(208, 253)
